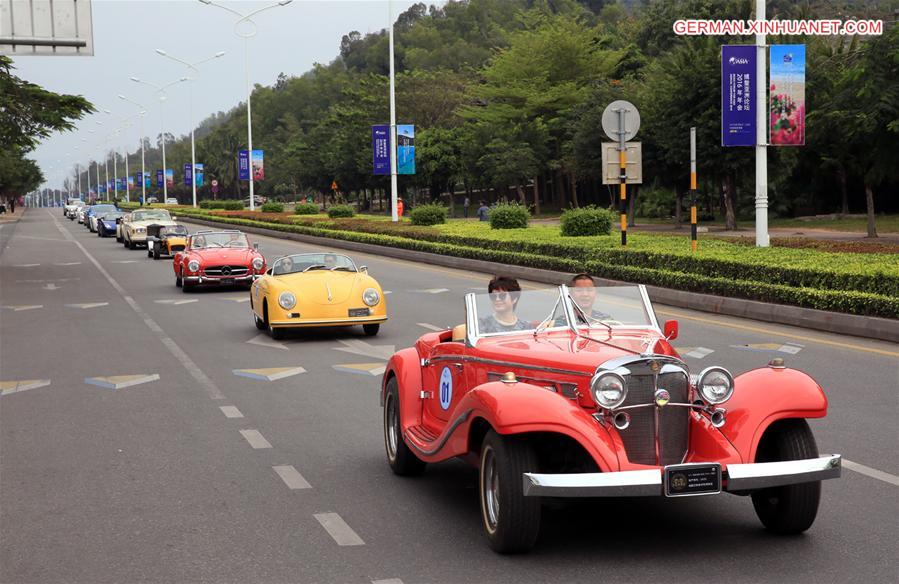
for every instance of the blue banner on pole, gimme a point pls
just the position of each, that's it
(140, 177)
(160, 180)
(243, 165)
(188, 174)
(738, 87)
(198, 174)
(405, 149)
(380, 148)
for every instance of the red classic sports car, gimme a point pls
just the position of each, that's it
(217, 258)
(576, 392)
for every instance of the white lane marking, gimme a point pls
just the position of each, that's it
(50, 286)
(25, 265)
(269, 373)
(211, 388)
(373, 369)
(388, 581)
(42, 238)
(871, 472)
(8, 387)
(293, 479)
(87, 305)
(231, 411)
(430, 326)
(430, 291)
(255, 439)
(388, 292)
(42, 281)
(124, 262)
(21, 307)
(265, 341)
(175, 302)
(337, 528)
(791, 348)
(238, 299)
(68, 264)
(121, 381)
(357, 347)
(698, 352)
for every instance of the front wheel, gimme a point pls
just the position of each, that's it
(371, 329)
(400, 457)
(511, 520)
(260, 324)
(792, 508)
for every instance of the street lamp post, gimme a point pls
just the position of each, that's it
(193, 151)
(394, 215)
(246, 36)
(143, 167)
(162, 95)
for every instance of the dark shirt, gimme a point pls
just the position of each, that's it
(482, 212)
(489, 324)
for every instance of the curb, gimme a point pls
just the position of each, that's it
(871, 327)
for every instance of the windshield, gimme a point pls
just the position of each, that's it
(111, 215)
(160, 214)
(72, 201)
(515, 312)
(97, 209)
(306, 262)
(214, 240)
(177, 230)
(608, 306)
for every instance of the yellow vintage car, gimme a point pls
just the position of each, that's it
(316, 289)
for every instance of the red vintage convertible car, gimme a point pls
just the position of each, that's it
(217, 258)
(587, 398)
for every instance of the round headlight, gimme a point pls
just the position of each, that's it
(371, 296)
(715, 385)
(258, 263)
(609, 389)
(193, 266)
(287, 300)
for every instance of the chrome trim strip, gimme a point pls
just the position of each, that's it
(647, 306)
(629, 483)
(336, 322)
(525, 366)
(761, 475)
(446, 434)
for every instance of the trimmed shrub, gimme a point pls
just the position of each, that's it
(509, 216)
(341, 211)
(272, 208)
(657, 202)
(306, 209)
(428, 214)
(586, 221)
(228, 205)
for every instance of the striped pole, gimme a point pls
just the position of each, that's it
(622, 175)
(693, 188)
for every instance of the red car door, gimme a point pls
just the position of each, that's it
(443, 383)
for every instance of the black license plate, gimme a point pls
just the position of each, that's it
(358, 312)
(683, 480)
(227, 281)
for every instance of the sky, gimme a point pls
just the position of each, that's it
(290, 39)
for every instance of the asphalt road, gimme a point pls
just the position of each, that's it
(154, 482)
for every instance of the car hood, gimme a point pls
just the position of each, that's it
(146, 222)
(326, 287)
(224, 256)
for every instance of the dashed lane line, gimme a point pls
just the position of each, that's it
(293, 479)
(266, 341)
(871, 472)
(231, 411)
(87, 305)
(338, 529)
(373, 369)
(192, 368)
(21, 307)
(388, 581)
(256, 439)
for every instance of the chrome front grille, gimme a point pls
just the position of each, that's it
(226, 271)
(640, 437)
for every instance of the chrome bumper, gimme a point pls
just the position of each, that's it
(218, 279)
(648, 483)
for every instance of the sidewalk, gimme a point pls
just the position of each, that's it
(12, 217)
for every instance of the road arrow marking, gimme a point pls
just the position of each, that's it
(430, 326)
(8, 387)
(373, 369)
(121, 381)
(87, 305)
(21, 307)
(357, 347)
(269, 374)
(50, 286)
(265, 341)
(176, 302)
(25, 265)
(68, 264)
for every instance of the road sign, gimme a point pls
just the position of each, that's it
(612, 119)
(611, 167)
(215, 183)
(334, 185)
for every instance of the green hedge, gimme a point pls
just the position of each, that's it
(854, 302)
(226, 205)
(428, 215)
(272, 208)
(586, 221)
(341, 211)
(509, 216)
(306, 209)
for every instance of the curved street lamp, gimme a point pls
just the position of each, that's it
(160, 89)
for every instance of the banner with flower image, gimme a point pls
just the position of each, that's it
(787, 102)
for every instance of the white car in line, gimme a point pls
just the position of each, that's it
(171, 201)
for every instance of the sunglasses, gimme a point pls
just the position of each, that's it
(501, 296)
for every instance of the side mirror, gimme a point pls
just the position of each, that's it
(670, 330)
(256, 245)
(363, 269)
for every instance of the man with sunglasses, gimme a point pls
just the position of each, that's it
(504, 294)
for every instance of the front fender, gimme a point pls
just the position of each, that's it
(764, 396)
(510, 408)
(405, 366)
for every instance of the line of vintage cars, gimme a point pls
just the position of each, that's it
(585, 397)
